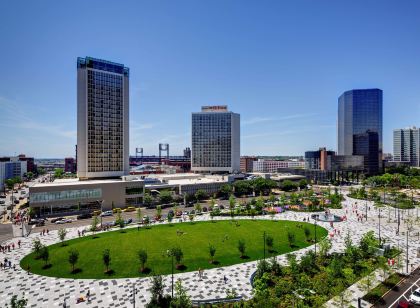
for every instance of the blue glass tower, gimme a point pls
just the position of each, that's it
(360, 127)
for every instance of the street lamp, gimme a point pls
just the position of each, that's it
(379, 217)
(100, 203)
(134, 295)
(170, 253)
(264, 244)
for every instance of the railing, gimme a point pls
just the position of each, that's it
(198, 303)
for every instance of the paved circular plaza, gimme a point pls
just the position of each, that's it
(44, 291)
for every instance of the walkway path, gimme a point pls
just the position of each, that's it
(51, 292)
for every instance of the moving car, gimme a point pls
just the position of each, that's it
(415, 297)
(84, 216)
(54, 220)
(130, 209)
(117, 210)
(106, 213)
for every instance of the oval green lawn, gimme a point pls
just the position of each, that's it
(194, 242)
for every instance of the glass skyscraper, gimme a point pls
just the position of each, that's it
(215, 140)
(360, 127)
(407, 145)
(102, 118)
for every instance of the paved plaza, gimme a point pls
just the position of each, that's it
(53, 292)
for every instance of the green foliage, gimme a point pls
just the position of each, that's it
(212, 252)
(291, 238)
(94, 225)
(36, 246)
(62, 234)
(44, 254)
(178, 254)
(307, 232)
(106, 258)
(288, 185)
(241, 247)
(73, 258)
(139, 215)
(165, 197)
(58, 173)
(142, 255)
(119, 221)
(181, 298)
(242, 188)
(16, 302)
(147, 199)
(200, 195)
(269, 240)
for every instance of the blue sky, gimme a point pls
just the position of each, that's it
(280, 64)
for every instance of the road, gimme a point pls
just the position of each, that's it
(402, 292)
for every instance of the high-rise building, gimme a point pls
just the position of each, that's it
(102, 119)
(215, 140)
(359, 127)
(407, 145)
(70, 165)
(31, 167)
(11, 167)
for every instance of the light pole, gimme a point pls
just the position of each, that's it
(406, 254)
(100, 202)
(379, 217)
(170, 253)
(134, 295)
(264, 244)
(315, 236)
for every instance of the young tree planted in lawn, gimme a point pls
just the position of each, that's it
(36, 247)
(269, 240)
(191, 217)
(73, 258)
(242, 247)
(291, 238)
(179, 255)
(106, 257)
(62, 235)
(44, 254)
(307, 232)
(158, 212)
(139, 215)
(142, 254)
(212, 252)
(94, 226)
(231, 205)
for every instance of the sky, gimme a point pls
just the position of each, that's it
(280, 64)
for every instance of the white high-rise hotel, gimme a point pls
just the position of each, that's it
(102, 119)
(215, 140)
(407, 145)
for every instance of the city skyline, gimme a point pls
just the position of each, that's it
(285, 84)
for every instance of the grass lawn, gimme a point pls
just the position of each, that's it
(194, 242)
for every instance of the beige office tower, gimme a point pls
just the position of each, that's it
(102, 119)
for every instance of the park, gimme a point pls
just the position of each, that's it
(139, 252)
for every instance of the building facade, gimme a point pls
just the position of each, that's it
(215, 140)
(246, 163)
(102, 119)
(407, 145)
(319, 160)
(271, 166)
(359, 127)
(30, 163)
(70, 165)
(11, 167)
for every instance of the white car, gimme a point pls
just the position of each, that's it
(106, 213)
(415, 297)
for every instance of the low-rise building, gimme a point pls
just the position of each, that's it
(246, 163)
(11, 167)
(271, 166)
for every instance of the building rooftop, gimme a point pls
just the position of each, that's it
(75, 181)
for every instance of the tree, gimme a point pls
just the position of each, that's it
(178, 254)
(269, 240)
(44, 254)
(94, 226)
(73, 258)
(106, 257)
(307, 232)
(142, 255)
(198, 208)
(225, 190)
(15, 302)
(158, 212)
(200, 195)
(62, 235)
(191, 217)
(181, 298)
(157, 288)
(324, 247)
(36, 247)
(30, 212)
(242, 248)
(242, 188)
(303, 183)
(165, 197)
(147, 199)
(119, 221)
(212, 252)
(367, 283)
(291, 238)
(288, 185)
(343, 299)
(58, 172)
(259, 204)
(231, 205)
(139, 215)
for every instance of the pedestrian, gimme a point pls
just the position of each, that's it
(13, 246)
(224, 279)
(48, 232)
(88, 295)
(19, 243)
(10, 264)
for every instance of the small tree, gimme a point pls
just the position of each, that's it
(191, 217)
(36, 247)
(291, 238)
(158, 212)
(231, 205)
(15, 302)
(198, 208)
(212, 252)
(157, 291)
(94, 226)
(324, 247)
(139, 215)
(242, 247)
(119, 220)
(181, 298)
(44, 254)
(142, 254)
(269, 240)
(62, 235)
(178, 254)
(367, 283)
(106, 257)
(307, 232)
(73, 258)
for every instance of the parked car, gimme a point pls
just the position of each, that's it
(2, 196)
(96, 213)
(36, 221)
(116, 210)
(106, 213)
(84, 216)
(128, 221)
(130, 209)
(2, 202)
(415, 297)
